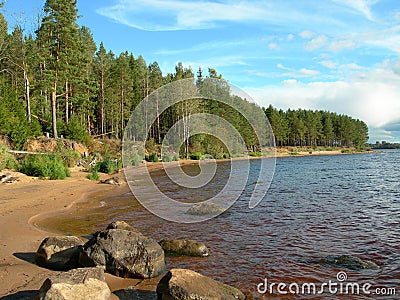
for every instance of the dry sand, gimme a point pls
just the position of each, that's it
(23, 201)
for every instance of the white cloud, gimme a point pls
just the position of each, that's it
(307, 34)
(372, 96)
(309, 72)
(339, 45)
(360, 6)
(282, 67)
(328, 64)
(290, 37)
(316, 43)
(273, 46)
(183, 15)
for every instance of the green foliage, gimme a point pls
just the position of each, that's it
(255, 154)
(75, 131)
(94, 175)
(153, 157)
(167, 158)
(109, 166)
(69, 156)
(13, 121)
(136, 159)
(44, 166)
(345, 151)
(7, 160)
(195, 156)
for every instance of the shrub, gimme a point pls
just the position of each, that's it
(108, 166)
(195, 156)
(94, 175)
(136, 159)
(44, 166)
(152, 157)
(167, 158)
(69, 156)
(255, 154)
(7, 160)
(345, 151)
(226, 155)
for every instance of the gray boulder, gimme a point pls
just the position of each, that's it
(184, 248)
(77, 284)
(121, 225)
(205, 208)
(182, 284)
(348, 261)
(123, 253)
(59, 252)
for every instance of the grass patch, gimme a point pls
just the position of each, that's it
(7, 160)
(44, 166)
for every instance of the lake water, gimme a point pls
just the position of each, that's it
(316, 206)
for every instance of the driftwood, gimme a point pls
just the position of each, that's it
(25, 152)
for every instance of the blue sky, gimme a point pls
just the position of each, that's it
(337, 55)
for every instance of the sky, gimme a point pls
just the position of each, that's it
(336, 55)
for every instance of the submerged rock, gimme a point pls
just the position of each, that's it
(77, 284)
(348, 261)
(59, 252)
(121, 225)
(182, 284)
(184, 248)
(204, 208)
(123, 253)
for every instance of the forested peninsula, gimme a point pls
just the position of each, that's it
(59, 81)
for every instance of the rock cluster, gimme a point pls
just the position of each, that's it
(123, 251)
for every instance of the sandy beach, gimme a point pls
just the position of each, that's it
(21, 203)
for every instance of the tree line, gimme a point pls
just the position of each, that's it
(59, 81)
(316, 128)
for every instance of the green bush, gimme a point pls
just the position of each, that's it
(255, 154)
(108, 166)
(44, 166)
(195, 156)
(70, 157)
(152, 157)
(94, 175)
(7, 160)
(226, 155)
(345, 151)
(136, 159)
(167, 158)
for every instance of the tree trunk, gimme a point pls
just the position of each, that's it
(54, 109)
(27, 97)
(66, 102)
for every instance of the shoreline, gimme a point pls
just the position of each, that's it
(25, 203)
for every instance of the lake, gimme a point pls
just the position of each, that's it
(316, 206)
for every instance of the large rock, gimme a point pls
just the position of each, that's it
(205, 208)
(348, 261)
(77, 284)
(123, 253)
(121, 225)
(181, 284)
(184, 248)
(59, 252)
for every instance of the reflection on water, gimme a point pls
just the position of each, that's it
(316, 206)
